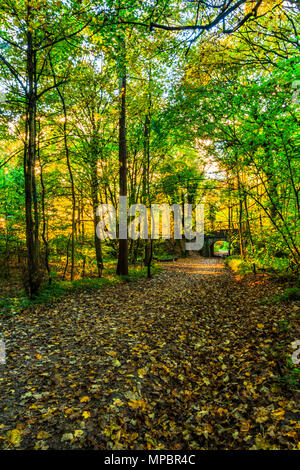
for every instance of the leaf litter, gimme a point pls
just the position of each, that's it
(188, 360)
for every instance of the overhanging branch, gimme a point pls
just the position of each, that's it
(211, 24)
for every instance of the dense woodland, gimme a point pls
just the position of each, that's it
(138, 343)
(160, 101)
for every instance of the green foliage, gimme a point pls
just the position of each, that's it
(238, 265)
(222, 246)
(291, 378)
(289, 294)
(11, 306)
(223, 127)
(51, 292)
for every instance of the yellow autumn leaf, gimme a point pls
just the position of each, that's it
(208, 428)
(67, 437)
(86, 414)
(141, 373)
(84, 399)
(14, 437)
(111, 353)
(245, 426)
(42, 435)
(138, 404)
(117, 402)
(278, 414)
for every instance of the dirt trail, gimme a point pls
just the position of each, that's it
(185, 360)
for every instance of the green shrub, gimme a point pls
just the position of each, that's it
(291, 293)
(237, 264)
(57, 288)
(11, 306)
(291, 378)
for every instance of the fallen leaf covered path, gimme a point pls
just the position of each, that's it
(186, 360)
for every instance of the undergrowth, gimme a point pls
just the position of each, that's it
(60, 288)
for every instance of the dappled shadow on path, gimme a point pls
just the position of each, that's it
(180, 361)
(197, 265)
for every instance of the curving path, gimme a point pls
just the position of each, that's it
(185, 360)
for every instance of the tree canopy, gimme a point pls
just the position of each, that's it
(161, 101)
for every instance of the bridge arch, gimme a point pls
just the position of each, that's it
(210, 239)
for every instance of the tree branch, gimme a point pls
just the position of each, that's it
(206, 27)
(56, 85)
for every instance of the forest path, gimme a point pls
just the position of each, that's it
(184, 360)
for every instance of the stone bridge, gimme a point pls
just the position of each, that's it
(211, 238)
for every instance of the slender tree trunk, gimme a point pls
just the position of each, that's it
(122, 267)
(229, 229)
(78, 220)
(146, 192)
(96, 218)
(34, 187)
(272, 183)
(249, 232)
(62, 99)
(43, 193)
(83, 267)
(82, 220)
(241, 231)
(29, 174)
(72, 182)
(67, 260)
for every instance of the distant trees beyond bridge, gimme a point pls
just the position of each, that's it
(212, 237)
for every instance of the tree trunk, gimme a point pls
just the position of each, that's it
(72, 183)
(229, 229)
(122, 267)
(241, 228)
(33, 279)
(96, 218)
(146, 192)
(43, 193)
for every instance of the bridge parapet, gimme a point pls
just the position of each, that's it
(218, 233)
(212, 237)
